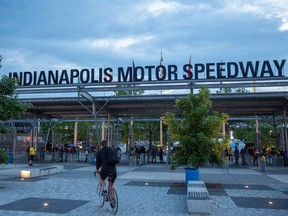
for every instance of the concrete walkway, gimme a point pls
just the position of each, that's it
(152, 189)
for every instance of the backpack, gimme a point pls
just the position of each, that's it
(112, 157)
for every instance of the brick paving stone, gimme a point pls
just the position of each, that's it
(256, 193)
(78, 183)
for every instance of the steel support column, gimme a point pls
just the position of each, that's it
(169, 146)
(285, 133)
(75, 131)
(161, 132)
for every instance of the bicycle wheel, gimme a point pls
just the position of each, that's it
(100, 197)
(113, 200)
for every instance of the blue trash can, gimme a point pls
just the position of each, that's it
(94, 159)
(10, 157)
(191, 174)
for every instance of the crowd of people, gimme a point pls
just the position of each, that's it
(250, 154)
(150, 155)
(244, 156)
(64, 153)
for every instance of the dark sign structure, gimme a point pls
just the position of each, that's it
(93, 93)
(209, 71)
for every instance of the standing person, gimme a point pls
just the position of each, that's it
(236, 155)
(148, 155)
(255, 156)
(102, 167)
(86, 155)
(61, 153)
(119, 151)
(27, 153)
(161, 155)
(31, 155)
(154, 154)
(243, 155)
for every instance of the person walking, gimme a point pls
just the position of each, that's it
(102, 167)
(31, 155)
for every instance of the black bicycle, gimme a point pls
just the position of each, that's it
(110, 196)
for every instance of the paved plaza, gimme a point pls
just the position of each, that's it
(151, 189)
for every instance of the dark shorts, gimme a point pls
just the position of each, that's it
(32, 157)
(105, 174)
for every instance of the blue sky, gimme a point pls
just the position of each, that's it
(65, 34)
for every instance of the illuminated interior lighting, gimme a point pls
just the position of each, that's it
(45, 204)
(146, 183)
(246, 186)
(270, 203)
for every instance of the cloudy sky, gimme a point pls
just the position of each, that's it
(65, 34)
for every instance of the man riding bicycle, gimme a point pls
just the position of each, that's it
(106, 169)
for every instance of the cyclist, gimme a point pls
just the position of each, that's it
(105, 169)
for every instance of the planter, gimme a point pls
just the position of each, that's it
(191, 174)
(10, 157)
(94, 159)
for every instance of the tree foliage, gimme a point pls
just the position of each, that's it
(66, 130)
(10, 107)
(3, 157)
(232, 90)
(144, 130)
(128, 93)
(197, 131)
(245, 130)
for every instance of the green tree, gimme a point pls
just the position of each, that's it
(246, 131)
(243, 130)
(3, 157)
(149, 130)
(197, 130)
(66, 130)
(10, 107)
(129, 92)
(232, 90)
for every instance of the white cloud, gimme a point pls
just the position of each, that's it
(158, 8)
(268, 9)
(31, 61)
(284, 26)
(111, 43)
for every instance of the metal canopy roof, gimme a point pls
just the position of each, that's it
(152, 106)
